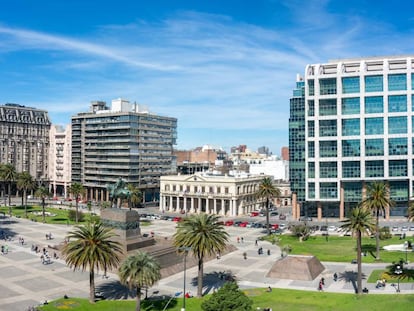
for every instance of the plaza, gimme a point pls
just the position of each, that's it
(27, 282)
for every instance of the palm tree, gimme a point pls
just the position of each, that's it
(359, 222)
(135, 196)
(91, 246)
(411, 212)
(77, 190)
(204, 235)
(8, 175)
(139, 270)
(377, 200)
(25, 182)
(42, 192)
(268, 191)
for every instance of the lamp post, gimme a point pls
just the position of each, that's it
(398, 271)
(406, 248)
(186, 249)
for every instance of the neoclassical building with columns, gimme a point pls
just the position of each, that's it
(224, 195)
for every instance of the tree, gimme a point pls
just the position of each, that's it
(135, 196)
(8, 175)
(411, 212)
(268, 191)
(302, 231)
(77, 190)
(228, 297)
(377, 200)
(359, 222)
(91, 246)
(140, 270)
(204, 235)
(42, 192)
(25, 182)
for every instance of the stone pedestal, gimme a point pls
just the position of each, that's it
(125, 223)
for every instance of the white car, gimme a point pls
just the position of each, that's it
(332, 228)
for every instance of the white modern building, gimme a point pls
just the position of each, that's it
(225, 195)
(359, 125)
(272, 166)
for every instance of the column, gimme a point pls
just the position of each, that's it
(223, 208)
(319, 207)
(185, 204)
(207, 206)
(294, 207)
(215, 206)
(192, 205)
(342, 202)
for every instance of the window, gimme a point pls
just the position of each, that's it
(397, 82)
(328, 190)
(374, 147)
(397, 168)
(374, 126)
(311, 190)
(311, 128)
(311, 108)
(311, 169)
(328, 149)
(351, 169)
(374, 168)
(350, 127)
(327, 128)
(350, 85)
(327, 86)
(374, 104)
(311, 149)
(374, 83)
(397, 103)
(397, 146)
(351, 148)
(328, 170)
(311, 87)
(397, 125)
(352, 191)
(327, 107)
(350, 105)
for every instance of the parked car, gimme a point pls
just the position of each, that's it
(177, 219)
(404, 228)
(254, 214)
(412, 228)
(282, 217)
(274, 213)
(395, 228)
(305, 218)
(243, 224)
(332, 228)
(229, 223)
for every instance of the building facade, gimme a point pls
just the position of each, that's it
(60, 160)
(24, 139)
(359, 124)
(125, 141)
(223, 195)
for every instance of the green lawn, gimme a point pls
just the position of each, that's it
(342, 249)
(278, 299)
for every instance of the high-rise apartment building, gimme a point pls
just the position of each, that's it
(60, 160)
(124, 141)
(24, 139)
(359, 120)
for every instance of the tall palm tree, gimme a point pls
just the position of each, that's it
(25, 182)
(43, 192)
(204, 235)
(91, 246)
(377, 200)
(77, 190)
(268, 191)
(140, 270)
(135, 196)
(359, 222)
(411, 212)
(8, 176)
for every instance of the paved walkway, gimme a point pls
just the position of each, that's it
(25, 281)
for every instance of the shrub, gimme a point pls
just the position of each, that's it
(228, 297)
(72, 215)
(384, 233)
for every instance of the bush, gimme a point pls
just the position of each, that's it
(72, 215)
(228, 297)
(384, 233)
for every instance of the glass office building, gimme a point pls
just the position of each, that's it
(359, 128)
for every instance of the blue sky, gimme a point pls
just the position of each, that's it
(224, 68)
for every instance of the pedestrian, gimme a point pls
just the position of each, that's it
(238, 240)
(320, 287)
(335, 277)
(323, 281)
(218, 256)
(6, 249)
(242, 239)
(255, 242)
(268, 252)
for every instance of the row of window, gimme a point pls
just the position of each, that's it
(352, 127)
(352, 169)
(352, 105)
(374, 83)
(352, 147)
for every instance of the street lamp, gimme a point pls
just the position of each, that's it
(186, 249)
(398, 271)
(406, 249)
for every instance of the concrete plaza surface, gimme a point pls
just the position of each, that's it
(26, 281)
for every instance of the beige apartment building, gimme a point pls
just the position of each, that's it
(225, 195)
